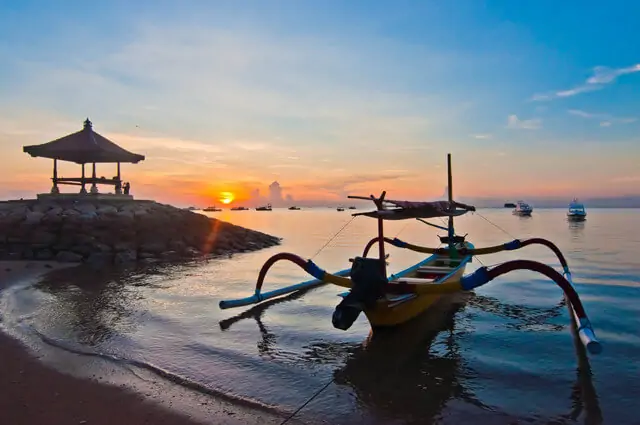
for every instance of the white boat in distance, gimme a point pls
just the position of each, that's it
(522, 209)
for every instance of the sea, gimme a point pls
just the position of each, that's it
(505, 353)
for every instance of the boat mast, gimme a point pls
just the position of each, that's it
(450, 190)
(383, 260)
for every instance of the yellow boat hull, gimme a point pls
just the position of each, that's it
(395, 310)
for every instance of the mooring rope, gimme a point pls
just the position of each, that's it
(495, 225)
(333, 237)
(308, 401)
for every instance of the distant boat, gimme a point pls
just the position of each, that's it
(190, 208)
(522, 209)
(576, 211)
(239, 209)
(294, 208)
(340, 209)
(352, 207)
(211, 209)
(265, 208)
(509, 205)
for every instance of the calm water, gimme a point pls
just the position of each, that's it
(504, 355)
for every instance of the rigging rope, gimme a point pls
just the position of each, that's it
(307, 402)
(495, 225)
(333, 237)
(403, 227)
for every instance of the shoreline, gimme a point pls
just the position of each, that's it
(35, 391)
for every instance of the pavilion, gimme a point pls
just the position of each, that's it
(85, 147)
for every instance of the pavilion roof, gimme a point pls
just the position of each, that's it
(83, 147)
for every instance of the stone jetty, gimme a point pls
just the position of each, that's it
(116, 232)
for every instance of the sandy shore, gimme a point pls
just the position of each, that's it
(33, 393)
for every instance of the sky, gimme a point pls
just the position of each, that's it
(532, 98)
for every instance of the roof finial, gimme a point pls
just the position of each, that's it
(87, 123)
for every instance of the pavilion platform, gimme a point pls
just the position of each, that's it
(84, 197)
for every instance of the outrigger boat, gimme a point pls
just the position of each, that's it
(399, 298)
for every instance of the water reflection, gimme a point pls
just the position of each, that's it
(527, 318)
(410, 373)
(266, 345)
(584, 396)
(576, 229)
(95, 305)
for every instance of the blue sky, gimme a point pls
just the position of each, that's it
(332, 97)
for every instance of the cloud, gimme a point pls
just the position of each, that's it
(602, 76)
(626, 179)
(514, 123)
(482, 136)
(606, 120)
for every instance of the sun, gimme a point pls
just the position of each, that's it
(226, 197)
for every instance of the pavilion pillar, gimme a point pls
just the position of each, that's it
(94, 187)
(54, 189)
(83, 189)
(118, 182)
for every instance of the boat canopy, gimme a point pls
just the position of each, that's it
(402, 210)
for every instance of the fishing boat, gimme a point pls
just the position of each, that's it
(389, 301)
(212, 209)
(522, 209)
(294, 208)
(576, 211)
(239, 209)
(340, 209)
(264, 208)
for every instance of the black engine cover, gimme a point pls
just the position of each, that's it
(369, 283)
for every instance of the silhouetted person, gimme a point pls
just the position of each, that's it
(127, 187)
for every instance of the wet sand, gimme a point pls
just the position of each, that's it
(33, 393)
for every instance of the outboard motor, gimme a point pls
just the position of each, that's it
(369, 283)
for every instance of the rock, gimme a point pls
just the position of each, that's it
(33, 217)
(125, 215)
(153, 247)
(117, 231)
(124, 246)
(44, 254)
(107, 210)
(85, 208)
(88, 215)
(68, 257)
(42, 207)
(125, 257)
(100, 258)
(43, 238)
(27, 254)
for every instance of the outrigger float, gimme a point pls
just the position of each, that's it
(397, 299)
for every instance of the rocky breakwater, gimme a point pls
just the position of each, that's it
(108, 232)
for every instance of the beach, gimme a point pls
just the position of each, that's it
(33, 393)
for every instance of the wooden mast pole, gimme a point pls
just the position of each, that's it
(451, 231)
(383, 260)
(450, 193)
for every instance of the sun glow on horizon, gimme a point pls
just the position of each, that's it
(226, 197)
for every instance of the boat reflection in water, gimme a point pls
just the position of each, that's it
(399, 374)
(410, 373)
